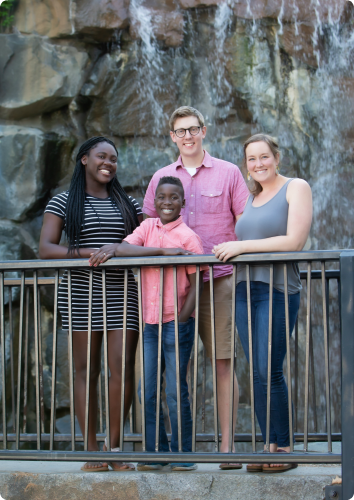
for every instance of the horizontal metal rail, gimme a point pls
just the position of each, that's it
(206, 458)
(137, 438)
(210, 259)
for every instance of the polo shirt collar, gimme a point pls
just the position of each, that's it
(207, 161)
(170, 225)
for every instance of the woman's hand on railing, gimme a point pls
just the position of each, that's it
(224, 251)
(102, 254)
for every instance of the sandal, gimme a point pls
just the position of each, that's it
(280, 468)
(117, 466)
(100, 468)
(230, 466)
(254, 467)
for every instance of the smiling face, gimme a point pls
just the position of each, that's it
(261, 163)
(189, 145)
(101, 163)
(168, 202)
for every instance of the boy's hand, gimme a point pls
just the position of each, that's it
(102, 254)
(176, 251)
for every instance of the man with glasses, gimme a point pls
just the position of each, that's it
(215, 194)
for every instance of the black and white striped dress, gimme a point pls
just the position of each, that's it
(103, 225)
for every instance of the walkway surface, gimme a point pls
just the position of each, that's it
(65, 481)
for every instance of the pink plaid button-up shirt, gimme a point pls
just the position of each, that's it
(152, 233)
(215, 195)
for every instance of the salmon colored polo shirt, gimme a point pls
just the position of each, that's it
(152, 233)
(214, 195)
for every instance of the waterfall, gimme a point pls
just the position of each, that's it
(149, 68)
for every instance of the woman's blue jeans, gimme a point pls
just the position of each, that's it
(168, 365)
(279, 414)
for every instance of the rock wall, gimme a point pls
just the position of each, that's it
(71, 69)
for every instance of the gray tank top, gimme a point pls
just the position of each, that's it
(256, 223)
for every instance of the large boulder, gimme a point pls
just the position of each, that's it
(138, 96)
(30, 166)
(52, 18)
(100, 19)
(290, 11)
(161, 22)
(37, 76)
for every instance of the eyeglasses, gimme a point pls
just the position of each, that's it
(181, 132)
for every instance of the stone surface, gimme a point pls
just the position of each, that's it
(289, 11)
(65, 480)
(50, 18)
(100, 19)
(27, 169)
(37, 76)
(121, 109)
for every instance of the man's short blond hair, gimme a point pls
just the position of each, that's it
(185, 111)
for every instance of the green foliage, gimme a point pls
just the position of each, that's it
(6, 14)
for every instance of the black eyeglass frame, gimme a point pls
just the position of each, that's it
(189, 130)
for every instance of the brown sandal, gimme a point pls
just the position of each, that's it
(101, 468)
(280, 468)
(118, 466)
(254, 467)
(230, 466)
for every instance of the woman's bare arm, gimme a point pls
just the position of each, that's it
(299, 197)
(49, 247)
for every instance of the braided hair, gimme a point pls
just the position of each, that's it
(75, 208)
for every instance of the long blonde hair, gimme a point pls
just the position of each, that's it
(257, 188)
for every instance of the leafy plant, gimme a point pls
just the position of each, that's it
(6, 14)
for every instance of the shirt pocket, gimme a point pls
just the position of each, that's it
(211, 201)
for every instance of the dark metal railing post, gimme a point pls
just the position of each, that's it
(250, 347)
(71, 365)
(19, 363)
(142, 372)
(12, 364)
(124, 349)
(307, 359)
(269, 372)
(159, 362)
(195, 377)
(178, 375)
(232, 367)
(347, 341)
(105, 358)
(54, 362)
(88, 361)
(213, 358)
(36, 357)
(3, 360)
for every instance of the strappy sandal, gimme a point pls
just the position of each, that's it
(117, 466)
(280, 468)
(230, 466)
(101, 468)
(254, 467)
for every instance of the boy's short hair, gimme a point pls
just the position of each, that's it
(169, 179)
(185, 111)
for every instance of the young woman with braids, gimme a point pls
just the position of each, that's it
(96, 214)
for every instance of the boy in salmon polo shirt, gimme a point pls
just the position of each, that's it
(166, 235)
(216, 194)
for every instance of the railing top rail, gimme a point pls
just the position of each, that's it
(316, 255)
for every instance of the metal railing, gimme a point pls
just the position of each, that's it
(21, 400)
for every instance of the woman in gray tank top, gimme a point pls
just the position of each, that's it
(277, 218)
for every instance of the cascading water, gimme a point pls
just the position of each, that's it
(149, 68)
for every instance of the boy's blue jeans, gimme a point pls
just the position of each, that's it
(168, 365)
(279, 414)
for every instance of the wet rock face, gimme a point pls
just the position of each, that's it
(37, 77)
(99, 19)
(119, 68)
